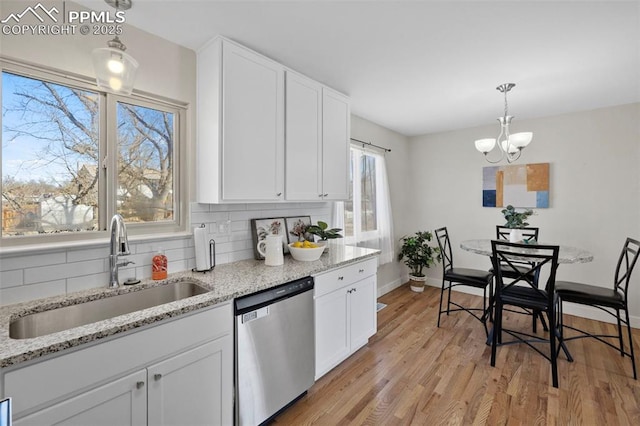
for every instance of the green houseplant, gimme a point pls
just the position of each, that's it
(323, 231)
(418, 254)
(515, 220)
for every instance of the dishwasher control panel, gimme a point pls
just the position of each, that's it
(257, 300)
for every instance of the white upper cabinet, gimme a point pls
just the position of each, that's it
(317, 141)
(303, 139)
(242, 131)
(240, 155)
(335, 145)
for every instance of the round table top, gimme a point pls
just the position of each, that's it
(567, 254)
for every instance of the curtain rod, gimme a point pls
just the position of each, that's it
(371, 144)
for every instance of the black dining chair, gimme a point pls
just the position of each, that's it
(610, 300)
(529, 236)
(476, 278)
(524, 292)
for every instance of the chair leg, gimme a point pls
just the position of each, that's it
(485, 313)
(560, 329)
(497, 330)
(441, 298)
(633, 358)
(554, 358)
(621, 342)
(449, 298)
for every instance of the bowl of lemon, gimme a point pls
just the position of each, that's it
(305, 251)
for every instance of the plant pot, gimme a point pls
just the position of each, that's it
(515, 235)
(417, 283)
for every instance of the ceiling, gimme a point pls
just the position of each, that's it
(420, 67)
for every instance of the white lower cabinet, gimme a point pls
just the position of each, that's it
(178, 393)
(121, 402)
(176, 373)
(345, 312)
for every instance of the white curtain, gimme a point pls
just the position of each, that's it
(384, 240)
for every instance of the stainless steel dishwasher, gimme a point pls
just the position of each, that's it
(275, 354)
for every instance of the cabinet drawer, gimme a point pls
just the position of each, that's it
(340, 277)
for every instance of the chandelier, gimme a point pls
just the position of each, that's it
(510, 145)
(115, 70)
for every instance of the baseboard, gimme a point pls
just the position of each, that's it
(569, 308)
(386, 288)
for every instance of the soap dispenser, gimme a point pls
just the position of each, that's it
(159, 265)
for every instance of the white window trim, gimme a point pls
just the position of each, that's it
(142, 230)
(357, 195)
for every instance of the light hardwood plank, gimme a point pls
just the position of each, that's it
(414, 373)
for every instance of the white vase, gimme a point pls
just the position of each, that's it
(515, 235)
(417, 283)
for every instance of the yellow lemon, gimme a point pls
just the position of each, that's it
(306, 244)
(297, 244)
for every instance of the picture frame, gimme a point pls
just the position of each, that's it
(260, 228)
(293, 228)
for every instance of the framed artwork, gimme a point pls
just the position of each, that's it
(260, 228)
(296, 228)
(523, 185)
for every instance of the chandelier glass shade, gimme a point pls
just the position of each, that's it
(510, 145)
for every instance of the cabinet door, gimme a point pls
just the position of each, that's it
(332, 339)
(252, 126)
(193, 388)
(121, 402)
(303, 144)
(362, 311)
(335, 145)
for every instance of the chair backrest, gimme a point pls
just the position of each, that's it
(626, 263)
(445, 248)
(528, 234)
(542, 260)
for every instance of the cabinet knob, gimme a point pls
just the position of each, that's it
(325, 195)
(320, 195)
(340, 278)
(349, 291)
(354, 290)
(361, 270)
(139, 385)
(278, 194)
(157, 376)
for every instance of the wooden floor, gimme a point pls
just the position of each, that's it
(413, 373)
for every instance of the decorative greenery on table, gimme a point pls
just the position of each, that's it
(322, 231)
(418, 253)
(516, 219)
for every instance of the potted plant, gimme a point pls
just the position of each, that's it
(322, 230)
(418, 254)
(515, 221)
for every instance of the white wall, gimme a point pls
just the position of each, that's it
(594, 194)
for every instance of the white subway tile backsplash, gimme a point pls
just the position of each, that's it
(29, 277)
(62, 271)
(27, 261)
(24, 293)
(91, 281)
(11, 278)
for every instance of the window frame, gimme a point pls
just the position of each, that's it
(108, 154)
(357, 195)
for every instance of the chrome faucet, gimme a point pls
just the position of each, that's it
(118, 246)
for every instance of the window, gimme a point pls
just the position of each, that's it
(367, 215)
(73, 156)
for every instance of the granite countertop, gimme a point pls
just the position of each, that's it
(225, 283)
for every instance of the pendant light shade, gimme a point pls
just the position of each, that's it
(510, 145)
(115, 70)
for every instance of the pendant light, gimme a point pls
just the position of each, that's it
(509, 145)
(115, 70)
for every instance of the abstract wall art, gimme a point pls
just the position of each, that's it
(523, 185)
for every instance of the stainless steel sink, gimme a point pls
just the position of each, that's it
(43, 323)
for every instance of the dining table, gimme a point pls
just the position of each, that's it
(566, 254)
